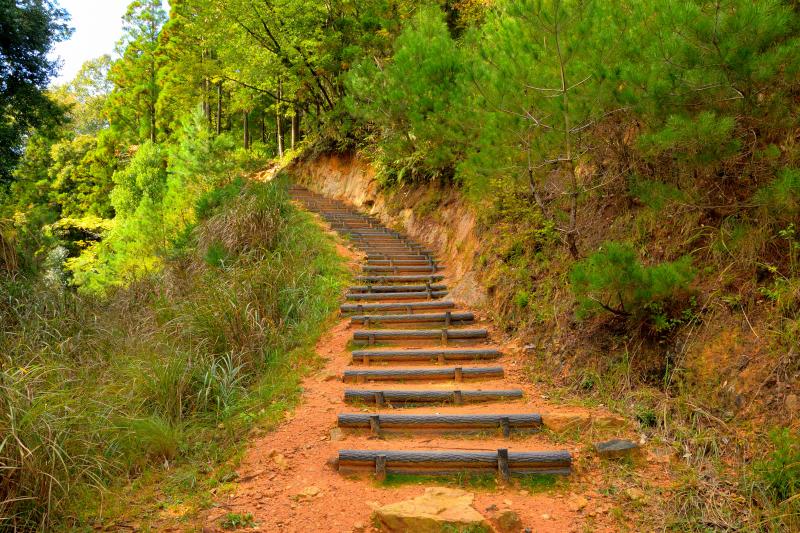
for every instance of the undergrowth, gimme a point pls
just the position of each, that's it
(142, 393)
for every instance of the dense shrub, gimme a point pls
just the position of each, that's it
(613, 279)
(92, 390)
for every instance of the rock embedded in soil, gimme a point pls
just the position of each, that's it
(336, 435)
(577, 502)
(616, 448)
(561, 422)
(437, 509)
(507, 522)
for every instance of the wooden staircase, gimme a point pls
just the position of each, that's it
(404, 318)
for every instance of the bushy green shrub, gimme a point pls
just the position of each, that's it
(92, 390)
(775, 480)
(613, 279)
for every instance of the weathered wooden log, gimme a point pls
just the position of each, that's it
(448, 318)
(397, 288)
(399, 269)
(519, 423)
(362, 376)
(407, 307)
(411, 278)
(399, 257)
(433, 295)
(434, 396)
(441, 356)
(445, 335)
(448, 462)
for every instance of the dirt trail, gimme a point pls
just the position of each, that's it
(287, 482)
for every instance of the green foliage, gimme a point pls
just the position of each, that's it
(614, 280)
(776, 478)
(30, 30)
(697, 140)
(653, 194)
(411, 100)
(97, 390)
(238, 521)
(780, 199)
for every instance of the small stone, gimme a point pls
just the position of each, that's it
(635, 494)
(207, 529)
(336, 435)
(507, 503)
(545, 516)
(281, 461)
(329, 377)
(577, 502)
(359, 527)
(508, 522)
(615, 448)
(524, 492)
(309, 492)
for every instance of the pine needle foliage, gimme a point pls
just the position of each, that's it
(614, 280)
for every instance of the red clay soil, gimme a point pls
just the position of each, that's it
(279, 467)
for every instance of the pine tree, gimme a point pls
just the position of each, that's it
(132, 104)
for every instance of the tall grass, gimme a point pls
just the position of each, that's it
(95, 391)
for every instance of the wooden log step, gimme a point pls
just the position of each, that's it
(508, 423)
(453, 373)
(505, 463)
(411, 278)
(381, 397)
(440, 356)
(395, 269)
(399, 257)
(407, 307)
(383, 335)
(402, 262)
(397, 288)
(448, 318)
(433, 295)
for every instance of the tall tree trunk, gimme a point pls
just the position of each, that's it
(295, 135)
(279, 119)
(263, 128)
(569, 160)
(246, 127)
(219, 107)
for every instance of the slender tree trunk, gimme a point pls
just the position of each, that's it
(569, 162)
(279, 119)
(294, 136)
(246, 127)
(263, 128)
(219, 107)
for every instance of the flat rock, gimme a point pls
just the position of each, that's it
(615, 448)
(309, 492)
(576, 502)
(436, 509)
(507, 522)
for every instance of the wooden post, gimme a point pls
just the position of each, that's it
(380, 399)
(375, 424)
(505, 423)
(458, 397)
(502, 464)
(380, 467)
(459, 374)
